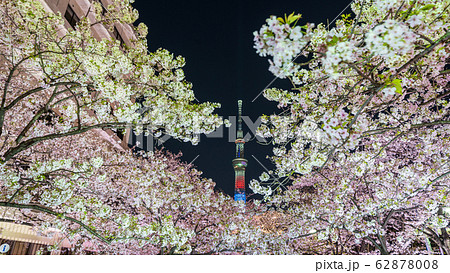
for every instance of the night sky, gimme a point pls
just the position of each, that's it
(216, 39)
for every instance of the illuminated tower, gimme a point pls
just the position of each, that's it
(239, 163)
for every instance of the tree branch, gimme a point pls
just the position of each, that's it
(60, 215)
(33, 141)
(424, 52)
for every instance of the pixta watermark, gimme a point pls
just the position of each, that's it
(150, 142)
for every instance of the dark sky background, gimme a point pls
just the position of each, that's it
(216, 39)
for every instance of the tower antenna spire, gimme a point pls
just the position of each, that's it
(240, 115)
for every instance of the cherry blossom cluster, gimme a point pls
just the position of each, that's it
(341, 52)
(335, 127)
(257, 188)
(361, 143)
(282, 42)
(390, 40)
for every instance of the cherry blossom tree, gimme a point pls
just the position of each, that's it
(59, 89)
(87, 83)
(110, 201)
(362, 145)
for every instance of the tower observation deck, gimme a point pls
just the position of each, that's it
(239, 163)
